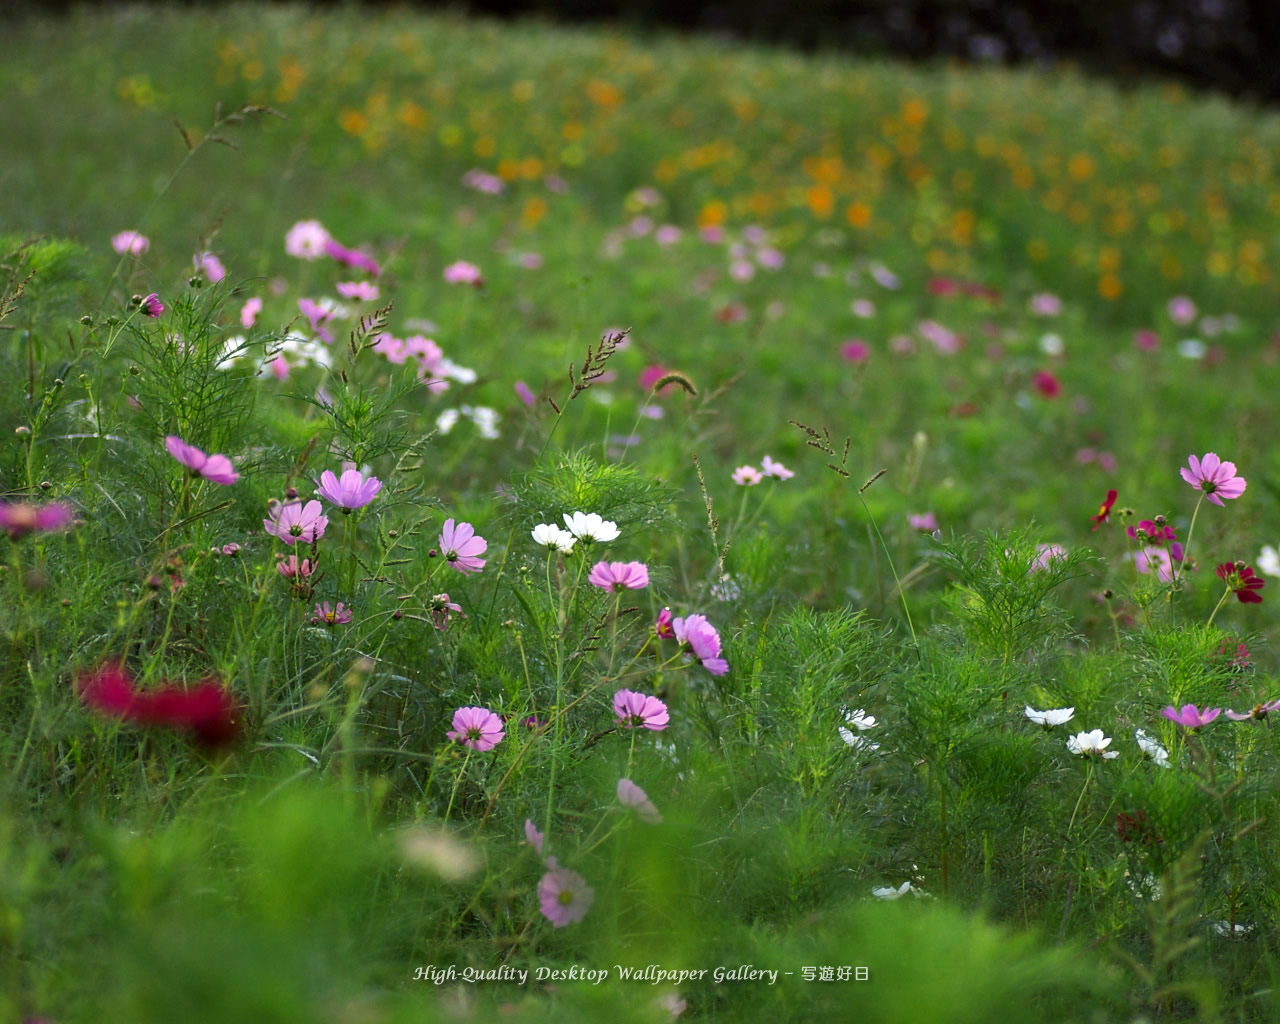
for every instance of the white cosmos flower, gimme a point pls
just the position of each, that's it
(588, 526)
(1152, 749)
(858, 742)
(1268, 561)
(551, 536)
(1055, 716)
(890, 893)
(859, 718)
(1087, 744)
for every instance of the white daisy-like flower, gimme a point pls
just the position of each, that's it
(1225, 928)
(859, 718)
(1152, 748)
(852, 739)
(486, 421)
(551, 536)
(447, 420)
(1268, 561)
(1052, 717)
(462, 374)
(588, 527)
(890, 893)
(1091, 744)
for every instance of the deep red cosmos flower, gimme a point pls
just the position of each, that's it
(1241, 581)
(206, 710)
(1105, 511)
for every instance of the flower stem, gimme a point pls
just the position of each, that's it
(1080, 799)
(457, 781)
(1191, 532)
(1221, 601)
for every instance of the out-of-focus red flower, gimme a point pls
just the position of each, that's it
(206, 710)
(1105, 510)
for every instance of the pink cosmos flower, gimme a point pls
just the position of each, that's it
(1157, 560)
(330, 616)
(477, 728)
(639, 709)
(525, 393)
(1045, 304)
(151, 305)
(306, 240)
(208, 265)
(775, 469)
(21, 518)
(1213, 476)
(295, 522)
(619, 575)
(351, 257)
(747, 476)
(662, 627)
(863, 308)
(460, 546)
(441, 610)
(462, 272)
(926, 523)
(668, 234)
(216, 468)
(130, 242)
(534, 837)
(631, 795)
(1147, 341)
(249, 312)
(290, 568)
(1181, 310)
(564, 897)
(363, 291)
(856, 351)
(703, 641)
(350, 491)
(318, 317)
(1190, 716)
(1258, 712)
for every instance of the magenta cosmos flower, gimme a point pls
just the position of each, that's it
(463, 272)
(635, 709)
(151, 305)
(1258, 712)
(350, 491)
(21, 518)
(1190, 716)
(330, 616)
(441, 610)
(1216, 478)
(216, 468)
(619, 575)
(477, 728)
(460, 546)
(662, 627)
(703, 641)
(130, 242)
(631, 795)
(564, 897)
(1241, 581)
(295, 522)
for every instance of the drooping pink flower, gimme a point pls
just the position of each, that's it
(130, 242)
(351, 258)
(564, 897)
(1216, 478)
(20, 518)
(441, 610)
(460, 546)
(703, 642)
(328, 615)
(208, 265)
(1241, 581)
(631, 795)
(306, 240)
(534, 837)
(747, 476)
(477, 728)
(249, 312)
(362, 291)
(619, 575)
(1258, 712)
(291, 568)
(294, 522)
(216, 468)
(207, 710)
(775, 469)
(662, 627)
(151, 305)
(1155, 559)
(462, 272)
(639, 709)
(350, 491)
(1189, 716)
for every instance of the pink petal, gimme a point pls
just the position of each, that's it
(1209, 465)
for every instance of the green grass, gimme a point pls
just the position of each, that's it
(342, 843)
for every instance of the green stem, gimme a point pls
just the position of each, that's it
(1080, 799)
(1221, 601)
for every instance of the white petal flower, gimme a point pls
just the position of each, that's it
(1268, 561)
(1152, 749)
(1054, 716)
(446, 421)
(1094, 743)
(889, 893)
(859, 718)
(858, 742)
(551, 536)
(588, 526)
